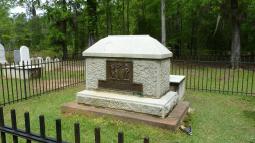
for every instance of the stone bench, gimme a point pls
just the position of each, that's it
(177, 84)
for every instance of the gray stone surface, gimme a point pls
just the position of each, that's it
(179, 82)
(2, 55)
(16, 54)
(128, 46)
(159, 107)
(152, 74)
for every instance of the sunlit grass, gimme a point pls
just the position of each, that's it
(217, 118)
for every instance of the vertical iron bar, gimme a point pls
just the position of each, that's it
(7, 84)
(252, 79)
(77, 133)
(42, 126)
(97, 135)
(28, 79)
(16, 82)
(120, 137)
(32, 78)
(27, 125)
(203, 70)
(228, 78)
(225, 69)
(20, 83)
(237, 86)
(24, 78)
(247, 83)
(2, 81)
(219, 80)
(215, 82)
(233, 82)
(3, 136)
(14, 125)
(146, 140)
(243, 80)
(10, 66)
(58, 131)
(52, 76)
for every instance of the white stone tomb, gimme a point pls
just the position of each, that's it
(129, 72)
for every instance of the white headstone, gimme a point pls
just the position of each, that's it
(2, 55)
(56, 60)
(40, 60)
(48, 59)
(24, 55)
(16, 55)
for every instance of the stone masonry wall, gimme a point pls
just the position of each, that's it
(152, 74)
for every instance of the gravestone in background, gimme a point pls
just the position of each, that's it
(24, 55)
(2, 55)
(16, 54)
(47, 59)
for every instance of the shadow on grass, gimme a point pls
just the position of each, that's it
(249, 114)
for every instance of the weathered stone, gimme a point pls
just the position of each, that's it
(2, 55)
(129, 73)
(152, 74)
(16, 54)
(159, 107)
(177, 83)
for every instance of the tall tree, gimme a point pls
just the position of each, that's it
(235, 44)
(163, 23)
(92, 21)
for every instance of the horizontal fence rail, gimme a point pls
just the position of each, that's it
(29, 136)
(217, 76)
(28, 79)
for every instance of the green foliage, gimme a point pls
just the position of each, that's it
(67, 25)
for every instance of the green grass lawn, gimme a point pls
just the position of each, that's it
(216, 118)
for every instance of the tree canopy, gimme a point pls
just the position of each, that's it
(193, 27)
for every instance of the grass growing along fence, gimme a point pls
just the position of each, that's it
(42, 137)
(217, 76)
(216, 117)
(52, 76)
(207, 76)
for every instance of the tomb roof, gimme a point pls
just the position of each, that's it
(128, 46)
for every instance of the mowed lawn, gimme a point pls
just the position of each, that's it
(216, 118)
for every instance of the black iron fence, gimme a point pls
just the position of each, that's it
(28, 79)
(216, 76)
(29, 136)
(25, 80)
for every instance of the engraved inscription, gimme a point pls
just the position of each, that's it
(119, 76)
(120, 71)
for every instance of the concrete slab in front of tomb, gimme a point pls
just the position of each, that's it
(130, 73)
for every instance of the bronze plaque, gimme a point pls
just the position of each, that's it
(119, 75)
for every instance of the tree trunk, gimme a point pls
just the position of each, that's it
(92, 22)
(128, 17)
(163, 23)
(76, 30)
(236, 42)
(64, 31)
(123, 17)
(108, 18)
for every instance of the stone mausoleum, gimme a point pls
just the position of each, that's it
(131, 73)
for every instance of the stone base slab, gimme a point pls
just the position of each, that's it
(172, 121)
(159, 107)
